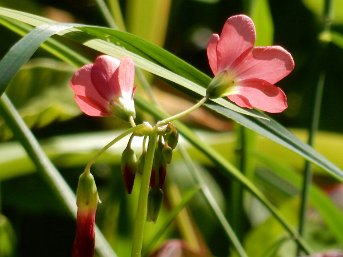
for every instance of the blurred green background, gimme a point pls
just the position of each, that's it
(35, 224)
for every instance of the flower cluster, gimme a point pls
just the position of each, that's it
(244, 73)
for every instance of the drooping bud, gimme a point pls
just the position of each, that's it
(167, 153)
(159, 167)
(172, 136)
(155, 200)
(158, 176)
(87, 201)
(129, 167)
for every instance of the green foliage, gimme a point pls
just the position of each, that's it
(44, 95)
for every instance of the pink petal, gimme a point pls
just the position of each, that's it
(86, 95)
(126, 76)
(270, 63)
(212, 52)
(90, 108)
(260, 94)
(240, 100)
(237, 37)
(102, 72)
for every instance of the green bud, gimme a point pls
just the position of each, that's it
(167, 153)
(155, 200)
(172, 136)
(129, 167)
(87, 197)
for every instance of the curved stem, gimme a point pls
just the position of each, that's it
(185, 112)
(132, 121)
(141, 213)
(105, 148)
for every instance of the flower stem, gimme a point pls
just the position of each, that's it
(132, 121)
(105, 148)
(143, 198)
(185, 112)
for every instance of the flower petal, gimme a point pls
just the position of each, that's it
(260, 94)
(86, 95)
(102, 72)
(90, 108)
(126, 76)
(270, 63)
(212, 52)
(237, 37)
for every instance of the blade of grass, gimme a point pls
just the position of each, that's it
(22, 51)
(48, 171)
(212, 202)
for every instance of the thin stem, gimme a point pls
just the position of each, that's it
(105, 148)
(308, 166)
(46, 169)
(106, 13)
(143, 198)
(213, 203)
(132, 121)
(237, 216)
(314, 124)
(185, 112)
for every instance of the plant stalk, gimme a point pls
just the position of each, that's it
(141, 213)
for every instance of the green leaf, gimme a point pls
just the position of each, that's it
(22, 51)
(44, 94)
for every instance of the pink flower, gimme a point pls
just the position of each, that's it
(105, 87)
(244, 73)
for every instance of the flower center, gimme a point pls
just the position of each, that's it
(222, 84)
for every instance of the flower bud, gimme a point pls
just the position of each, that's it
(167, 153)
(87, 201)
(129, 167)
(141, 162)
(158, 176)
(155, 200)
(172, 136)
